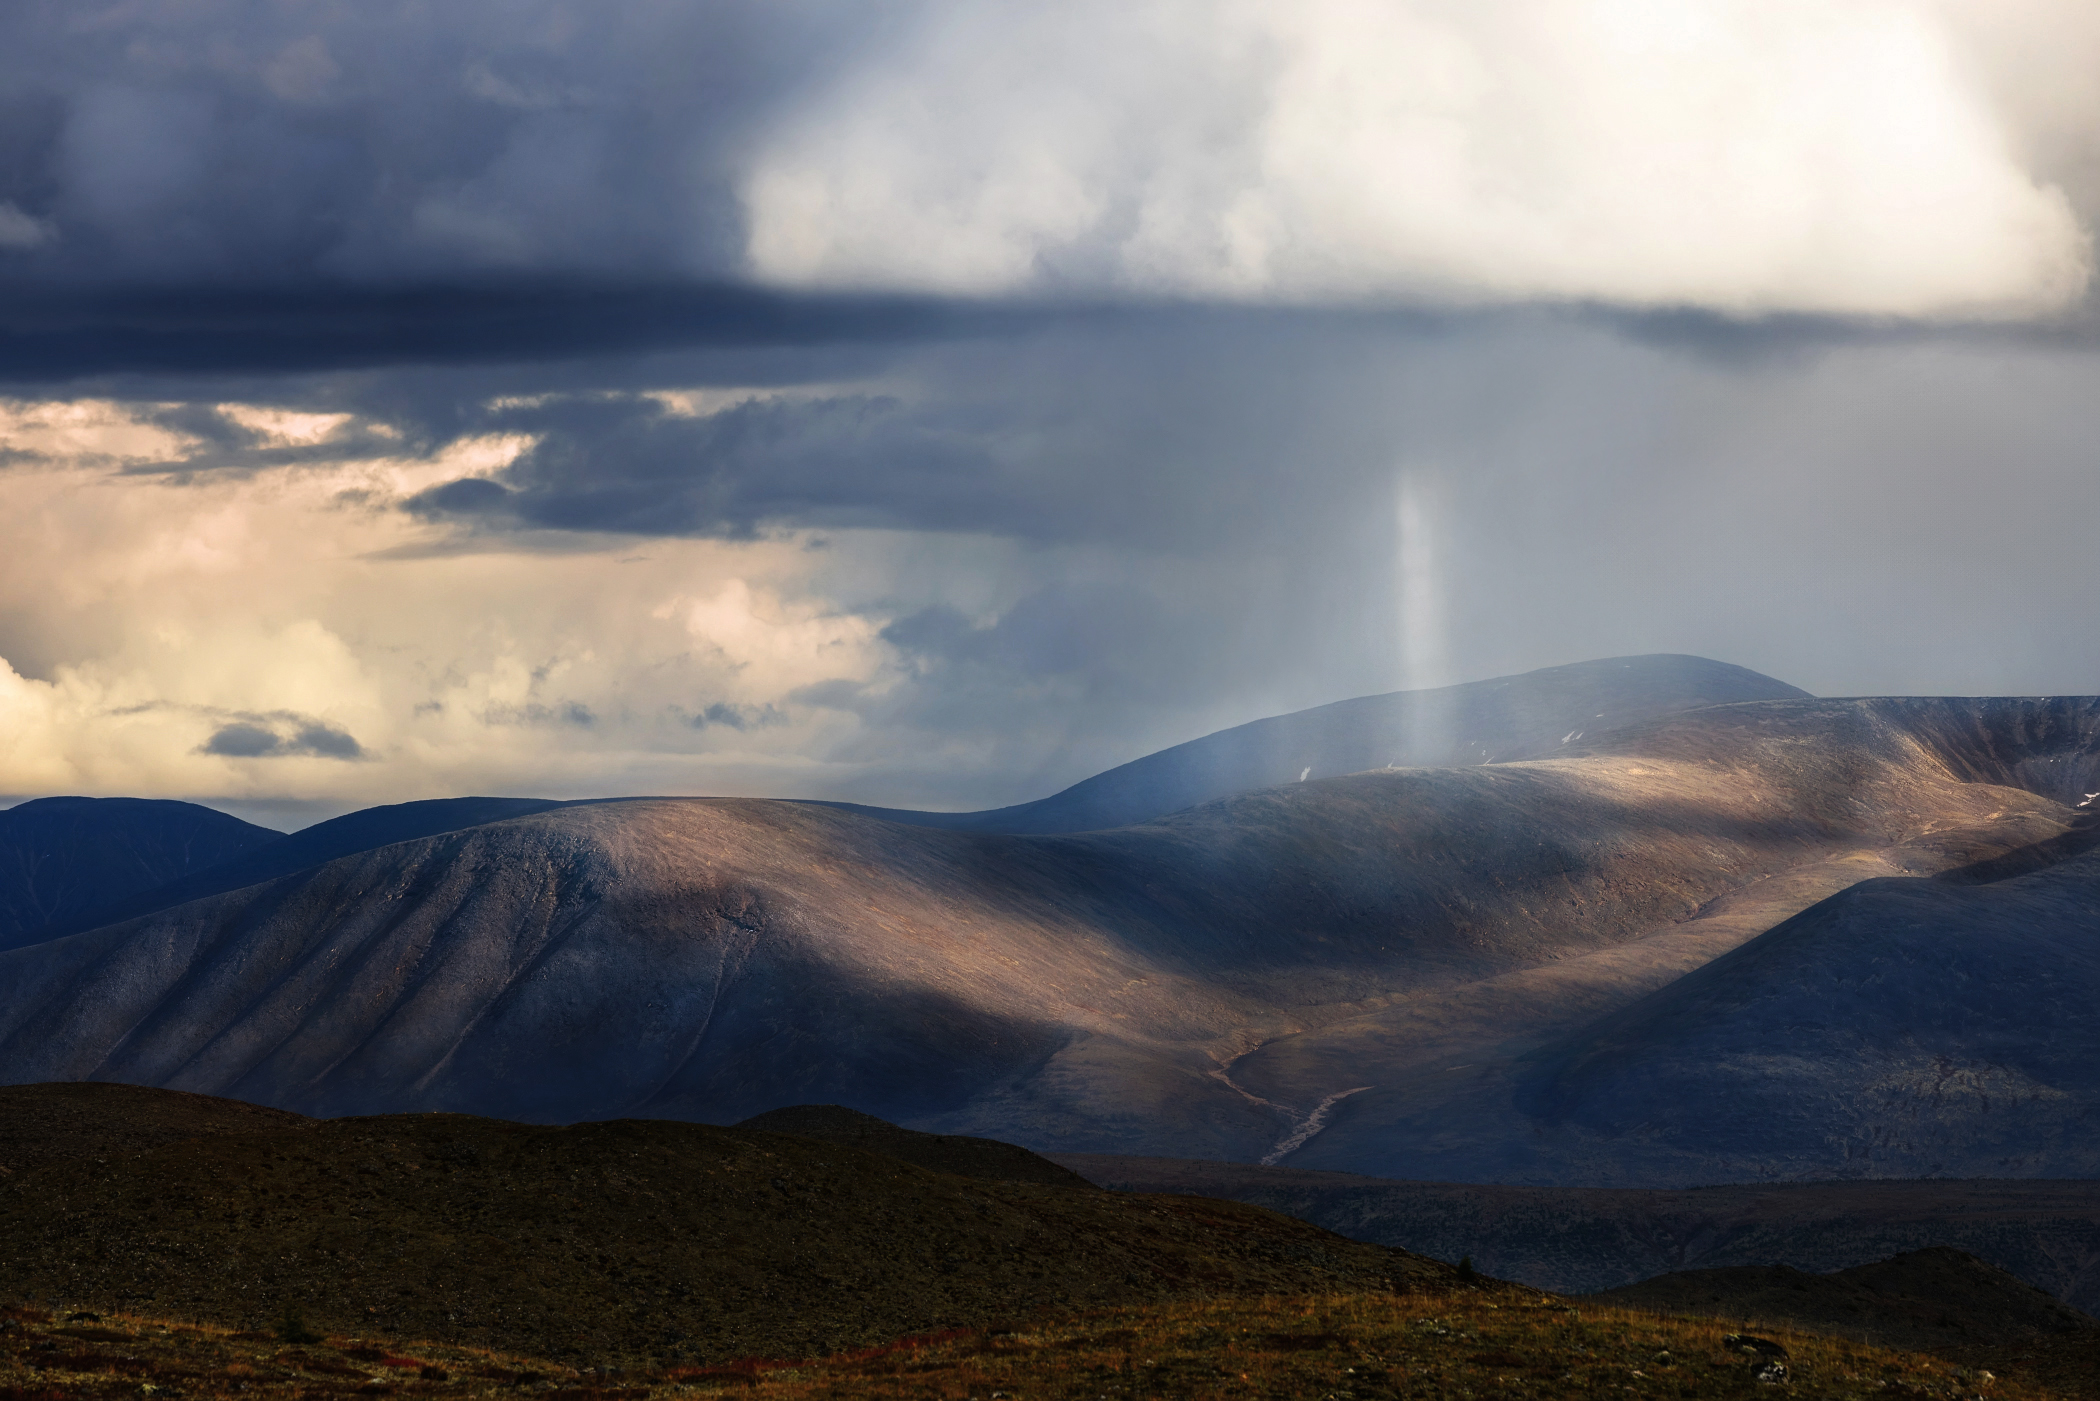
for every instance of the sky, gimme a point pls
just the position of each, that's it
(933, 403)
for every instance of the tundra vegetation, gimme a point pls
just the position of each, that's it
(1483, 1341)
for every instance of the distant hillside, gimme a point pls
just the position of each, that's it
(1343, 972)
(310, 846)
(1512, 717)
(1932, 1298)
(65, 863)
(1904, 1027)
(1576, 1240)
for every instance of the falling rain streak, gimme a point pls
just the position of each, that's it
(1424, 644)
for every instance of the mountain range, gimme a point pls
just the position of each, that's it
(72, 863)
(1646, 921)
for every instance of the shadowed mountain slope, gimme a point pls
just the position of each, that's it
(281, 855)
(407, 1247)
(70, 863)
(1901, 1027)
(1510, 717)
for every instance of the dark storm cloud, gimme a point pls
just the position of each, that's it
(737, 717)
(255, 186)
(282, 737)
(236, 186)
(1161, 431)
(1067, 533)
(253, 142)
(630, 466)
(51, 336)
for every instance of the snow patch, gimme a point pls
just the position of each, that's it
(1303, 1134)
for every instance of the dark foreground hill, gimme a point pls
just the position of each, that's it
(625, 1241)
(1578, 1240)
(1481, 722)
(1391, 971)
(51, 1125)
(70, 863)
(438, 1255)
(959, 1154)
(1929, 1299)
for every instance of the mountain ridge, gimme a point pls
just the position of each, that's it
(1502, 718)
(1202, 982)
(312, 846)
(71, 862)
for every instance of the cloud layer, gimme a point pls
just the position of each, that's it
(935, 403)
(1751, 157)
(975, 572)
(1910, 158)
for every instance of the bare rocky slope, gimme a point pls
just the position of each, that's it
(1852, 1043)
(1360, 971)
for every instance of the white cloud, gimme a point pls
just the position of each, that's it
(1752, 156)
(282, 427)
(297, 599)
(782, 643)
(78, 431)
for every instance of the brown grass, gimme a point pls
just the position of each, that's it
(1463, 1343)
(636, 1244)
